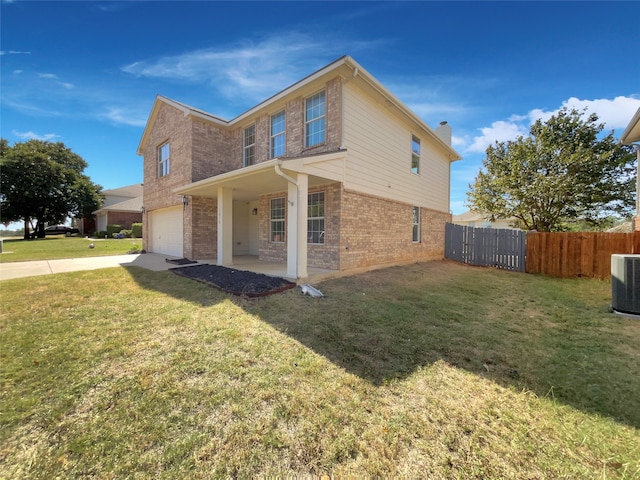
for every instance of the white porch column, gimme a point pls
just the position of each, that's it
(297, 197)
(225, 226)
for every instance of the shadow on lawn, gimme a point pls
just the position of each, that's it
(521, 331)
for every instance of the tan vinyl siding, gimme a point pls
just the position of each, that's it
(332, 169)
(378, 142)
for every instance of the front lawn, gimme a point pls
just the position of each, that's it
(59, 246)
(433, 370)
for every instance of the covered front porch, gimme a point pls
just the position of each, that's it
(238, 192)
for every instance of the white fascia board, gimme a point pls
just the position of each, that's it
(232, 175)
(631, 134)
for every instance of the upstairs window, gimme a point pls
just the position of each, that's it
(276, 220)
(415, 154)
(163, 160)
(249, 146)
(415, 215)
(314, 119)
(315, 218)
(277, 135)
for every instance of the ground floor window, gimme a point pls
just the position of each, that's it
(276, 220)
(315, 218)
(416, 224)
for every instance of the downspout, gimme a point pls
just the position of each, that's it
(284, 175)
(289, 179)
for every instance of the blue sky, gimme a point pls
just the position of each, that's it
(86, 73)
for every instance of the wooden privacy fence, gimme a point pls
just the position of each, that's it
(577, 254)
(500, 248)
(559, 254)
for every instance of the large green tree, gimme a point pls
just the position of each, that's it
(44, 181)
(564, 171)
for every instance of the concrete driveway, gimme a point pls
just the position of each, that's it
(150, 261)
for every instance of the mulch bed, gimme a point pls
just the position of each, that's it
(180, 261)
(237, 282)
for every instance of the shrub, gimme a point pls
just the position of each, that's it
(122, 234)
(136, 230)
(111, 229)
(101, 234)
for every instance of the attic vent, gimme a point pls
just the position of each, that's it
(625, 284)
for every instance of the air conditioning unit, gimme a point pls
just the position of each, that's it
(625, 284)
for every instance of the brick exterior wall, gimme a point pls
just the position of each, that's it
(123, 218)
(327, 255)
(318, 255)
(203, 235)
(171, 126)
(375, 231)
(212, 150)
(362, 231)
(268, 251)
(295, 130)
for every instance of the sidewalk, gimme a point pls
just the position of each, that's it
(150, 261)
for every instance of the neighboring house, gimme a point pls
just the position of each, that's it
(334, 172)
(480, 219)
(630, 136)
(122, 206)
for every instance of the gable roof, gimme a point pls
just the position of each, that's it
(132, 205)
(345, 66)
(134, 190)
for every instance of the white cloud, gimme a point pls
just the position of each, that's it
(499, 131)
(13, 52)
(124, 116)
(48, 75)
(250, 70)
(615, 114)
(34, 136)
(458, 141)
(256, 69)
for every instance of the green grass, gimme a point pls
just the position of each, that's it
(432, 370)
(55, 247)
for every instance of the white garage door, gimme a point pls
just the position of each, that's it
(165, 231)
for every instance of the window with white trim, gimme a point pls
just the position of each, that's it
(278, 125)
(276, 220)
(164, 163)
(415, 154)
(249, 146)
(314, 119)
(415, 219)
(315, 218)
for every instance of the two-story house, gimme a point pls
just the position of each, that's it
(334, 172)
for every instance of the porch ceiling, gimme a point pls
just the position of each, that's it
(250, 182)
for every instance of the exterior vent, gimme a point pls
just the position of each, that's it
(625, 284)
